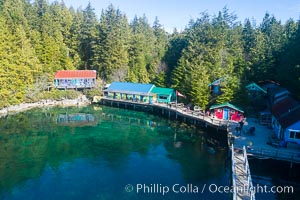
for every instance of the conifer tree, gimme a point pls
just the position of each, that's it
(111, 47)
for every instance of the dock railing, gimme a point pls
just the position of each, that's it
(250, 188)
(275, 154)
(181, 110)
(246, 189)
(234, 195)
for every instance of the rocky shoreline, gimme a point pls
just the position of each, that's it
(81, 100)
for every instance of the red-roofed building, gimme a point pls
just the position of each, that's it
(75, 79)
(286, 119)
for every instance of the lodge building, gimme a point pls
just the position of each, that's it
(75, 79)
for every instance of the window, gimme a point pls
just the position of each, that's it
(219, 110)
(292, 134)
(295, 134)
(163, 97)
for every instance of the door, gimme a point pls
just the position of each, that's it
(225, 113)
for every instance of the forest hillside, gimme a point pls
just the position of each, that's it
(38, 38)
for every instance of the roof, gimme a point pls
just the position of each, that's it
(268, 82)
(277, 94)
(216, 82)
(226, 105)
(286, 111)
(251, 85)
(130, 88)
(75, 74)
(162, 91)
(290, 119)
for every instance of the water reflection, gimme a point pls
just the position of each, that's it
(76, 119)
(40, 146)
(265, 174)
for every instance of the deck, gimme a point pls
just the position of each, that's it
(261, 145)
(179, 110)
(241, 177)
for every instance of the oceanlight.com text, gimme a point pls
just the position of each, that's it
(199, 189)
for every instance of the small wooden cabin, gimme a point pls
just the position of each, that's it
(75, 79)
(163, 95)
(215, 87)
(227, 111)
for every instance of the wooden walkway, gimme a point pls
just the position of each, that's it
(179, 111)
(258, 146)
(241, 177)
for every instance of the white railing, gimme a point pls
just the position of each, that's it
(276, 154)
(234, 195)
(250, 188)
(182, 111)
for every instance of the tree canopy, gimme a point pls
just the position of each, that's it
(38, 38)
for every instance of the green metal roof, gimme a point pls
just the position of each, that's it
(163, 91)
(256, 86)
(226, 105)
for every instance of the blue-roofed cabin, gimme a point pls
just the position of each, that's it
(163, 95)
(138, 92)
(215, 86)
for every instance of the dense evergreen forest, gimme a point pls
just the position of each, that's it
(38, 38)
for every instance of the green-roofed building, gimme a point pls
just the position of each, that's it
(227, 111)
(255, 91)
(163, 95)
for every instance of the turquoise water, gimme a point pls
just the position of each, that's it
(95, 152)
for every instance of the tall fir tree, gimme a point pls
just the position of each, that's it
(111, 47)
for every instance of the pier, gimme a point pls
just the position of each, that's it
(241, 177)
(179, 112)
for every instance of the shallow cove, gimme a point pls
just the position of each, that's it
(94, 152)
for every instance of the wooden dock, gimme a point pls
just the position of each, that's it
(259, 146)
(241, 177)
(176, 111)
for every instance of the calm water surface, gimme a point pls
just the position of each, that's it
(94, 152)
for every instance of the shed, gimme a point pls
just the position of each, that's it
(130, 91)
(65, 79)
(227, 111)
(164, 95)
(215, 87)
